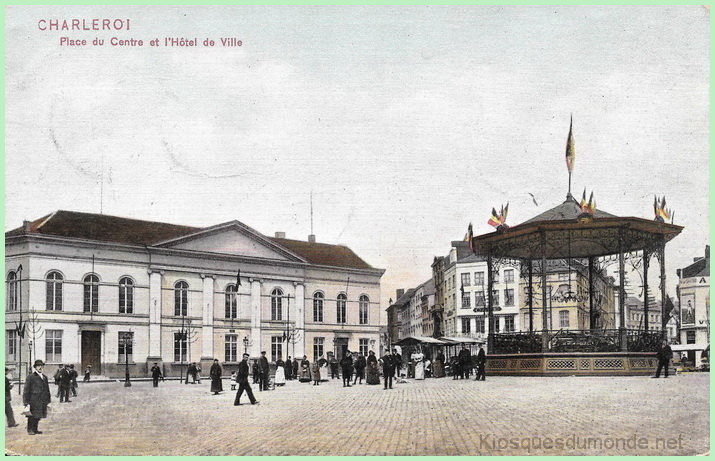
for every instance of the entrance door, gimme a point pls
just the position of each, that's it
(341, 345)
(92, 351)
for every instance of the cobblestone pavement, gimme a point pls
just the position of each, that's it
(503, 415)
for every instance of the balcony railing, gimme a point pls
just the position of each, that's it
(577, 341)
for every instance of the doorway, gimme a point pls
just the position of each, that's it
(341, 346)
(92, 351)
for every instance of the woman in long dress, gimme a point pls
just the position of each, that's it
(373, 372)
(215, 373)
(280, 378)
(439, 365)
(418, 360)
(316, 373)
(305, 370)
(323, 368)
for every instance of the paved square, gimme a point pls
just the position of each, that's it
(503, 415)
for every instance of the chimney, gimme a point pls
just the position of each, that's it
(280, 235)
(311, 238)
(26, 226)
(707, 251)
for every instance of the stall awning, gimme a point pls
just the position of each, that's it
(413, 340)
(461, 340)
(688, 347)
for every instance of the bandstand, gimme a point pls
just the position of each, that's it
(590, 241)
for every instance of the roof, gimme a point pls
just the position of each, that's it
(700, 268)
(104, 228)
(570, 209)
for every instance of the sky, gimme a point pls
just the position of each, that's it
(404, 123)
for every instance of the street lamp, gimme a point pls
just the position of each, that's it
(126, 342)
(245, 344)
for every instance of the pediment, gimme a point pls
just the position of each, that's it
(231, 239)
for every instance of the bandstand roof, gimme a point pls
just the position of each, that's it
(568, 233)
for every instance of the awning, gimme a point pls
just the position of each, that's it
(688, 347)
(413, 340)
(461, 340)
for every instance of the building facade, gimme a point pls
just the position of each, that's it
(694, 301)
(102, 291)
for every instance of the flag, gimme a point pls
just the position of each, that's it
(238, 279)
(504, 212)
(591, 204)
(494, 219)
(655, 205)
(583, 201)
(570, 150)
(469, 236)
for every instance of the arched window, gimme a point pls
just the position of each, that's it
(54, 291)
(364, 304)
(181, 298)
(342, 305)
(126, 295)
(277, 304)
(231, 302)
(12, 291)
(91, 293)
(318, 300)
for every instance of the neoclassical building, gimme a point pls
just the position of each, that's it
(103, 290)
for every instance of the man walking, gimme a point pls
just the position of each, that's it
(73, 380)
(242, 380)
(465, 359)
(388, 368)
(346, 363)
(665, 353)
(263, 365)
(481, 364)
(396, 362)
(37, 396)
(155, 374)
(65, 383)
(9, 415)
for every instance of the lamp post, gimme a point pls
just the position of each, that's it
(245, 344)
(126, 342)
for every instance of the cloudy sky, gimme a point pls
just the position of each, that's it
(405, 123)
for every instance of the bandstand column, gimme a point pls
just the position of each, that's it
(544, 309)
(591, 313)
(622, 294)
(531, 296)
(646, 263)
(663, 320)
(490, 308)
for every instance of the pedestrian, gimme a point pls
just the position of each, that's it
(87, 373)
(256, 369)
(465, 359)
(397, 362)
(454, 366)
(65, 384)
(665, 353)
(373, 372)
(418, 359)
(439, 365)
(334, 365)
(56, 377)
(156, 374)
(346, 364)
(265, 369)
(215, 373)
(73, 380)
(360, 365)
(9, 415)
(233, 381)
(305, 370)
(243, 385)
(323, 363)
(388, 368)
(191, 371)
(316, 373)
(289, 369)
(280, 378)
(198, 375)
(481, 364)
(296, 365)
(37, 395)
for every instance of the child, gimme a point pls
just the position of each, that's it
(233, 381)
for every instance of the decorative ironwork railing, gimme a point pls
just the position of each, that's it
(577, 341)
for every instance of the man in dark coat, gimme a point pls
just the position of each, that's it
(288, 366)
(334, 365)
(360, 365)
(37, 396)
(481, 364)
(65, 383)
(388, 368)
(465, 359)
(242, 380)
(8, 398)
(396, 363)
(295, 367)
(263, 364)
(73, 380)
(155, 374)
(665, 353)
(346, 363)
(215, 373)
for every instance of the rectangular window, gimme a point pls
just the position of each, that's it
(509, 323)
(466, 326)
(509, 297)
(690, 337)
(125, 346)
(479, 278)
(12, 293)
(363, 346)
(318, 308)
(342, 316)
(466, 300)
(318, 347)
(508, 275)
(479, 299)
(563, 276)
(480, 325)
(53, 346)
(276, 347)
(179, 348)
(91, 296)
(495, 297)
(11, 347)
(363, 310)
(564, 319)
(466, 280)
(496, 324)
(231, 303)
(231, 348)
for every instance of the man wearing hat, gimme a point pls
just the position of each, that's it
(481, 363)
(37, 396)
(265, 369)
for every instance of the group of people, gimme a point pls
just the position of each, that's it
(66, 382)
